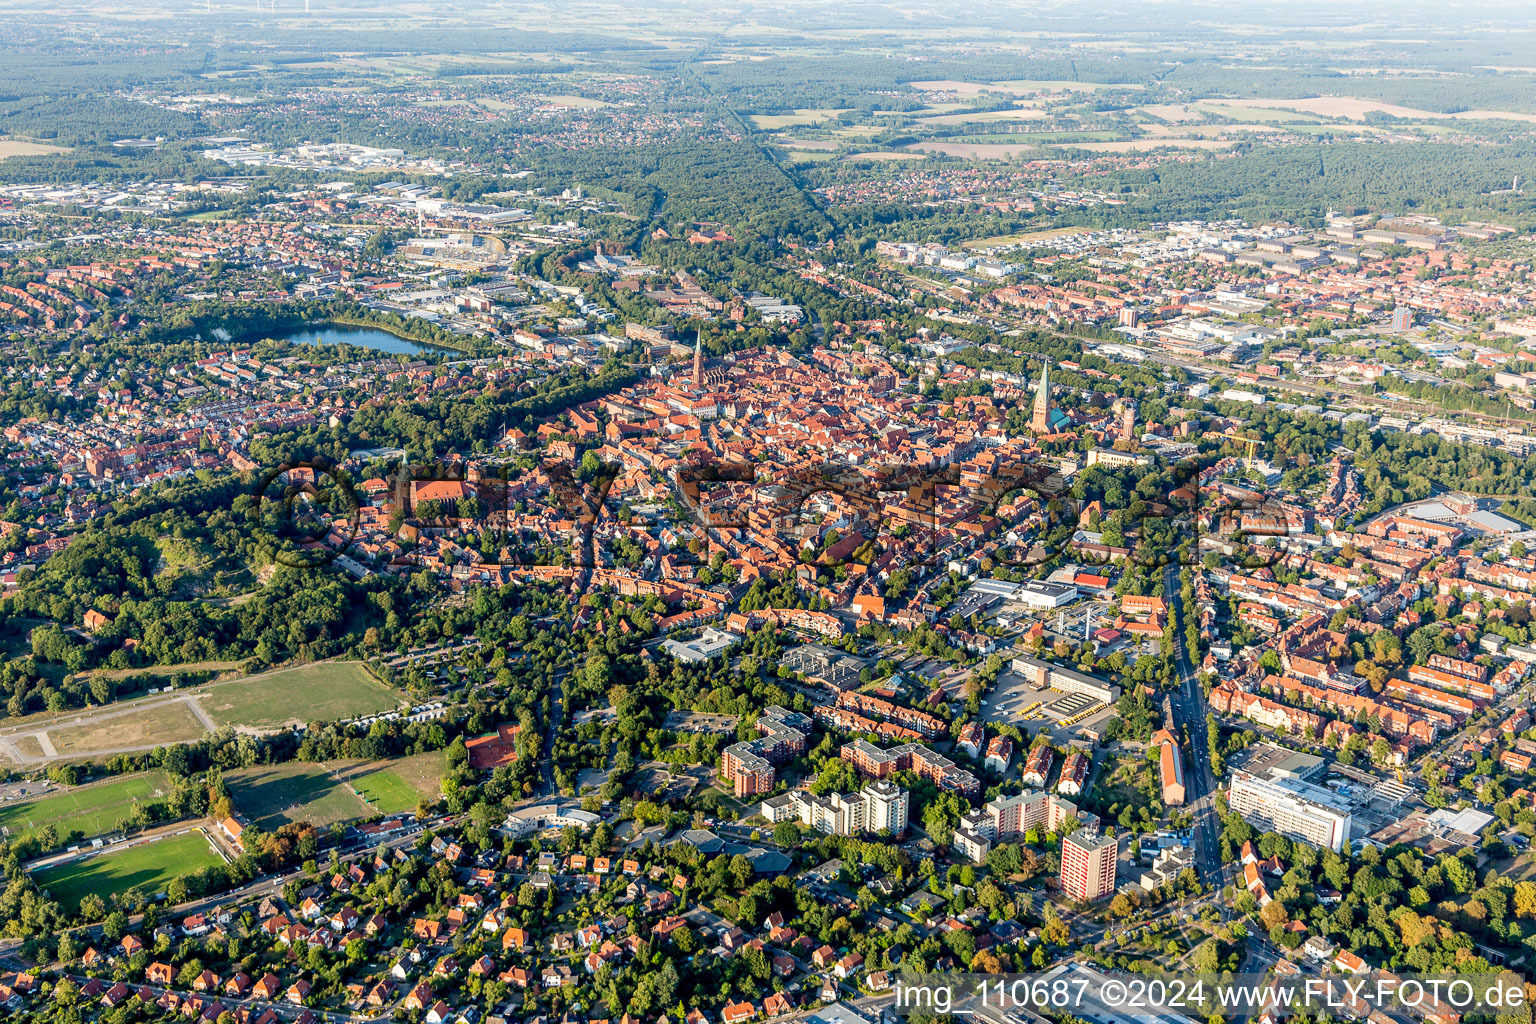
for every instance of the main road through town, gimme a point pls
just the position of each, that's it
(1189, 712)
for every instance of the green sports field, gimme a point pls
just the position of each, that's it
(149, 867)
(276, 795)
(387, 791)
(396, 784)
(296, 696)
(92, 809)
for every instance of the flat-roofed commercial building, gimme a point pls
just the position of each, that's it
(1047, 676)
(1291, 807)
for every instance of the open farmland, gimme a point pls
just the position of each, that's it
(20, 147)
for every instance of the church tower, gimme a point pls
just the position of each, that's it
(1041, 423)
(698, 359)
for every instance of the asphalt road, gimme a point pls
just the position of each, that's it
(551, 734)
(1189, 711)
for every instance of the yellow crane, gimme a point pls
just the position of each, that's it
(1252, 443)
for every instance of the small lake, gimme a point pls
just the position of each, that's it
(362, 337)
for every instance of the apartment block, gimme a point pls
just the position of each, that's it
(1009, 817)
(1088, 865)
(749, 766)
(879, 805)
(871, 761)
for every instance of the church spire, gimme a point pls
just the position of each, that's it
(698, 359)
(1041, 422)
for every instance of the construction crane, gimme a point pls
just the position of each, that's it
(1252, 443)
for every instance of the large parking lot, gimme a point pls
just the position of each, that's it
(1031, 708)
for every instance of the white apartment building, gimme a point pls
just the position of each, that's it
(1291, 807)
(879, 805)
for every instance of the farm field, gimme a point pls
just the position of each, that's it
(18, 147)
(1334, 106)
(1142, 145)
(973, 149)
(148, 867)
(1021, 87)
(1271, 114)
(296, 696)
(280, 794)
(92, 809)
(1174, 112)
(798, 119)
(884, 155)
(1021, 114)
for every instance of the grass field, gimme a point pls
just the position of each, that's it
(1272, 114)
(881, 155)
(800, 118)
(166, 723)
(16, 147)
(296, 696)
(91, 809)
(387, 791)
(148, 867)
(30, 746)
(275, 796)
(400, 784)
(994, 151)
(584, 102)
(1019, 239)
(1142, 145)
